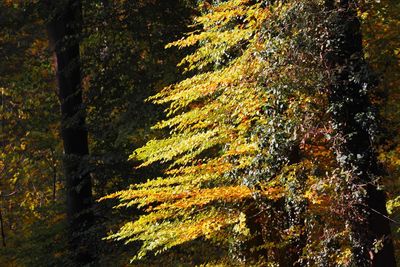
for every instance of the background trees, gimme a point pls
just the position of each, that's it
(256, 155)
(122, 62)
(30, 144)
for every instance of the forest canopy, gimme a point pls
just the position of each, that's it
(200, 133)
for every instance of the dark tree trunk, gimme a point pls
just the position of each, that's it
(64, 28)
(295, 218)
(249, 250)
(3, 235)
(353, 120)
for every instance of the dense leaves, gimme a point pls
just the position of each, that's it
(241, 154)
(256, 118)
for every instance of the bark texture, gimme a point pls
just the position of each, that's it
(64, 28)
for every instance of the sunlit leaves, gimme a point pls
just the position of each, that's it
(251, 125)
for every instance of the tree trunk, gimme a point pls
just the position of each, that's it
(3, 235)
(64, 29)
(354, 121)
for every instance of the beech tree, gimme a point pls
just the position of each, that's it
(64, 28)
(354, 122)
(271, 142)
(274, 141)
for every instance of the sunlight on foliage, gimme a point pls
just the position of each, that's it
(250, 142)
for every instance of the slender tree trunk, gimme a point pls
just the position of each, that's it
(295, 216)
(54, 184)
(64, 30)
(249, 250)
(353, 119)
(52, 163)
(3, 235)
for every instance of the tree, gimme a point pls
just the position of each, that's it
(122, 63)
(268, 153)
(64, 28)
(227, 159)
(30, 153)
(264, 124)
(381, 42)
(355, 129)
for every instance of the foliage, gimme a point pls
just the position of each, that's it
(124, 62)
(252, 125)
(232, 129)
(30, 147)
(244, 152)
(382, 43)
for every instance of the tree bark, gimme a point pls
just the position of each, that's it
(354, 121)
(64, 29)
(3, 235)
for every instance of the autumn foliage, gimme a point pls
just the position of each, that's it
(220, 133)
